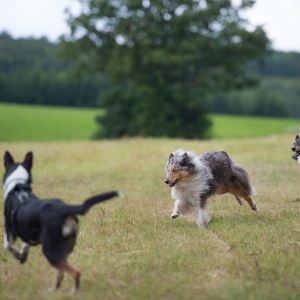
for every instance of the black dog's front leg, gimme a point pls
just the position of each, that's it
(19, 255)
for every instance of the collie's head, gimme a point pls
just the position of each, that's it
(180, 167)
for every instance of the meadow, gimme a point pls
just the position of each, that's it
(130, 248)
(42, 123)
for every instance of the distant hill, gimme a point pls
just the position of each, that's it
(34, 71)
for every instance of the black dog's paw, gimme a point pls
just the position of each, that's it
(23, 259)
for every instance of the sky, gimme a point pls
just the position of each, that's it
(24, 18)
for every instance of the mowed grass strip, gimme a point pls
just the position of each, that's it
(44, 123)
(130, 248)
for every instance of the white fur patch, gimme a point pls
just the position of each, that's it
(5, 242)
(20, 175)
(189, 192)
(299, 159)
(70, 226)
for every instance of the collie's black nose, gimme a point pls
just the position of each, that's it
(167, 181)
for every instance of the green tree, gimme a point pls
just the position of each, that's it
(163, 57)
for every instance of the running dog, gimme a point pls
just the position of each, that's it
(296, 149)
(51, 223)
(194, 179)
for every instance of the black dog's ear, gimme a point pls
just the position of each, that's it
(171, 155)
(297, 137)
(27, 163)
(8, 160)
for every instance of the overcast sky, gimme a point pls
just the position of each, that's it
(23, 18)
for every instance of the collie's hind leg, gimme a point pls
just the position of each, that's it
(251, 202)
(238, 199)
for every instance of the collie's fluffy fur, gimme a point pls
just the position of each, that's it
(194, 179)
(296, 149)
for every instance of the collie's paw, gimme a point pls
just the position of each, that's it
(52, 289)
(254, 207)
(174, 216)
(201, 225)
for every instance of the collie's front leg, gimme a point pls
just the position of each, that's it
(205, 214)
(202, 216)
(176, 209)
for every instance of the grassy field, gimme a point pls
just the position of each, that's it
(130, 248)
(40, 123)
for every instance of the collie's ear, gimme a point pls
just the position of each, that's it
(8, 160)
(185, 158)
(297, 137)
(171, 155)
(27, 163)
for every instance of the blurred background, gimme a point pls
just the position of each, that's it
(79, 70)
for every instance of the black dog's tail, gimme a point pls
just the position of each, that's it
(83, 208)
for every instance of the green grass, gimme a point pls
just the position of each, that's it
(130, 248)
(226, 126)
(42, 123)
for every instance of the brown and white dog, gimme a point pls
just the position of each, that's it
(194, 179)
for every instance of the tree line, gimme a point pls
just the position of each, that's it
(34, 71)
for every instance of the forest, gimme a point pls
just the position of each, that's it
(36, 71)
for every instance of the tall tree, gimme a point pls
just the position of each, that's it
(163, 57)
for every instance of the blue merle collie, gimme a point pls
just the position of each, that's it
(296, 149)
(194, 179)
(51, 223)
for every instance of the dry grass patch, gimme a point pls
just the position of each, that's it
(130, 248)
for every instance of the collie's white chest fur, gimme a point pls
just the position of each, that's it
(197, 185)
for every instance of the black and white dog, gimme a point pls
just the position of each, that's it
(51, 223)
